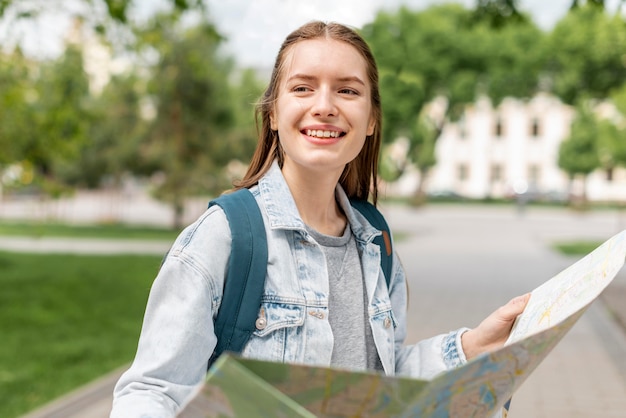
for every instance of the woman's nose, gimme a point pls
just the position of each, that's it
(324, 104)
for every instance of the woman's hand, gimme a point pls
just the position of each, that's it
(493, 332)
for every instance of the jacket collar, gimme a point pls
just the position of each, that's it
(282, 212)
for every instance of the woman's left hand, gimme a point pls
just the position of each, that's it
(493, 332)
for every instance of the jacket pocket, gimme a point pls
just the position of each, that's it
(274, 316)
(278, 333)
(384, 319)
(384, 326)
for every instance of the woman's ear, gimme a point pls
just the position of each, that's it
(273, 123)
(371, 125)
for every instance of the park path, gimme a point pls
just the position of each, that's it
(464, 263)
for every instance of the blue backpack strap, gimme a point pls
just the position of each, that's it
(378, 221)
(247, 267)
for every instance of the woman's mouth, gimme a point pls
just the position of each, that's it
(318, 133)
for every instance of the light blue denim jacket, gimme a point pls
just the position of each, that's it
(177, 336)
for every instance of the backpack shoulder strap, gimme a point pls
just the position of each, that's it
(247, 267)
(373, 215)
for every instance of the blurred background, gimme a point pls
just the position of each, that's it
(482, 100)
(120, 119)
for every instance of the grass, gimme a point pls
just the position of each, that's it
(66, 320)
(45, 229)
(576, 247)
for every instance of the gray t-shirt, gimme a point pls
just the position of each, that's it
(354, 346)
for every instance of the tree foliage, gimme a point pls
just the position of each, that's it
(16, 118)
(601, 4)
(611, 144)
(586, 67)
(101, 10)
(61, 115)
(45, 113)
(613, 134)
(578, 154)
(587, 54)
(498, 13)
(115, 133)
(187, 141)
(448, 52)
(179, 114)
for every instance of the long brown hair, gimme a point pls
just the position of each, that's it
(359, 176)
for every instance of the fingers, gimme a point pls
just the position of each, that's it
(514, 307)
(521, 300)
(494, 330)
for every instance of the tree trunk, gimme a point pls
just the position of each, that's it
(419, 197)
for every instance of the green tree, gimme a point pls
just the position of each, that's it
(16, 93)
(187, 141)
(601, 4)
(587, 54)
(578, 154)
(586, 66)
(498, 13)
(115, 132)
(61, 119)
(612, 140)
(247, 91)
(94, 11)
(16, 119)
(611, 145)
(446, 52)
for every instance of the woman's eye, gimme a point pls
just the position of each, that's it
(349, 91)
(300, 89)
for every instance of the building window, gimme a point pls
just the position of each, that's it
(535, 127)
(463, 172)
(496, 173)
(499, 128)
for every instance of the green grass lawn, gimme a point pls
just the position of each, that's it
(576, 247)
(66, 320)
(45, 229)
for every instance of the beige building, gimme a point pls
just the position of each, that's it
(498, 152)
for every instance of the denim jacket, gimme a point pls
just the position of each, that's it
(177, 336)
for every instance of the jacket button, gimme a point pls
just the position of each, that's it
(317, 314)
(387, 322)
(261, 323)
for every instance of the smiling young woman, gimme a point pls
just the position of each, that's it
(359, 178)
(323, 107)
(326, 300)
(322, 115)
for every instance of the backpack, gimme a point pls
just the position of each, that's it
(247, 267)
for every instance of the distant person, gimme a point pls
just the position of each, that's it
(325, 301)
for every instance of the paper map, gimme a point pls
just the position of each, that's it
(238, 387)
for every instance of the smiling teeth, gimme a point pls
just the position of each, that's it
(322, 134)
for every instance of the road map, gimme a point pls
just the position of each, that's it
(238, 387)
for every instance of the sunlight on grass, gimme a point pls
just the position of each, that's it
(66, 320)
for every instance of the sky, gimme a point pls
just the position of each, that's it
(255, 28)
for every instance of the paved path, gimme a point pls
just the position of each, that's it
(83, 246)
(462, 264)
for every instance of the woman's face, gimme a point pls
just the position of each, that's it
(323, 110)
